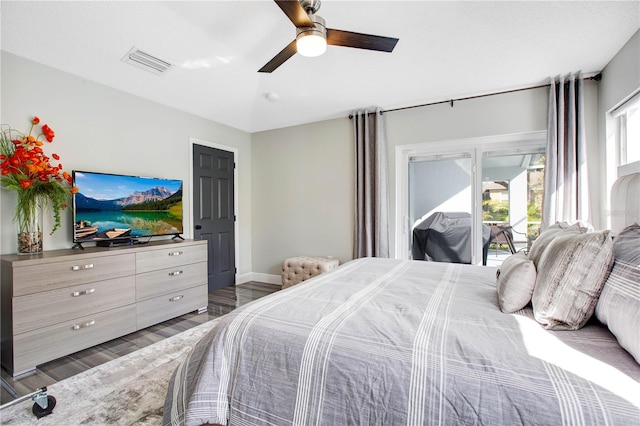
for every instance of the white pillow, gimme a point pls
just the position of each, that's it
(548, 235)
(515, 281)
(571, 273)
(619, 303)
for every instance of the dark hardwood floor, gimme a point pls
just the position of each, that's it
(221, 302)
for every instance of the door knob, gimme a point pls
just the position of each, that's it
(198, 227)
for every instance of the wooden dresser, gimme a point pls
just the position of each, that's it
(63, 301)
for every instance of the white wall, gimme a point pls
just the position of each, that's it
(303, 191)
(620, 78)
(102, 129)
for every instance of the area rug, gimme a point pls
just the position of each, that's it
(129, 390)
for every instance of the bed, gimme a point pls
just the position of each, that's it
(389, 342)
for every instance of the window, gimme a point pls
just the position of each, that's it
(628, 115)
(630, 145)
(622, 145)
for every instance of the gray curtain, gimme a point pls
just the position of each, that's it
(371, 237)
(566, 196)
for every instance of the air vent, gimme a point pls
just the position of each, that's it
(146, 61)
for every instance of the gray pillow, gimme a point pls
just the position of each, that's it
(548, 235)
(515, 281)
(619, 303)
(571, 273)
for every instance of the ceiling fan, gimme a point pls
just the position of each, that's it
(312, 36)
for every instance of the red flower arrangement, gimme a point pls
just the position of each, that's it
(26, 169)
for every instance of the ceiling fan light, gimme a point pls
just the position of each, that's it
(312, 43)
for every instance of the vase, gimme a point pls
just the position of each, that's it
(30, 218)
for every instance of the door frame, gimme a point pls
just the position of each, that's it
(476, 147)
(236, 210)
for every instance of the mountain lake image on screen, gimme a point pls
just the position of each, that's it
(111, 206)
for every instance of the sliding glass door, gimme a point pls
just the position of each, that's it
(487, 185)
(512, 190)
(441, 198)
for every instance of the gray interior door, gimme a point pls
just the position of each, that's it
(213, 211)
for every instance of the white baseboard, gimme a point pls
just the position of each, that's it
(243, 278)
(263, 278)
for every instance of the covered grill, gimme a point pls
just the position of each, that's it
(446, 237)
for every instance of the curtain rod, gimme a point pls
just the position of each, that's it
(596, 77)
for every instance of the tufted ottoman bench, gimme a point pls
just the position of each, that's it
(300, 268)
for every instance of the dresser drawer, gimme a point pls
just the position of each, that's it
(153, 311)
(48, 343)
(54, 306)
(164, 281)
(169, 257)
(51, 276)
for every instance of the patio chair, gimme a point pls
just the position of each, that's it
(503, 235)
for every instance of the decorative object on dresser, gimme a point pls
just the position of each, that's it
(39, 185)
(63, 301)
(300, 268)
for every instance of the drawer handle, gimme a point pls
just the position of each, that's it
(175, 253)
(85, 325)
(174, 273)
(83, 292)
(82, 267)
(175, 298)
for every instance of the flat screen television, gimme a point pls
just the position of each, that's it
(109, 207)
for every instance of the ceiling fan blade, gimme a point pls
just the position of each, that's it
(280, 58)
(295, 13)
(360, 41)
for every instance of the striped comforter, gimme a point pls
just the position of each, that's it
(391, 342)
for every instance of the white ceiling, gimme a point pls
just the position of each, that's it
(447, 49)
